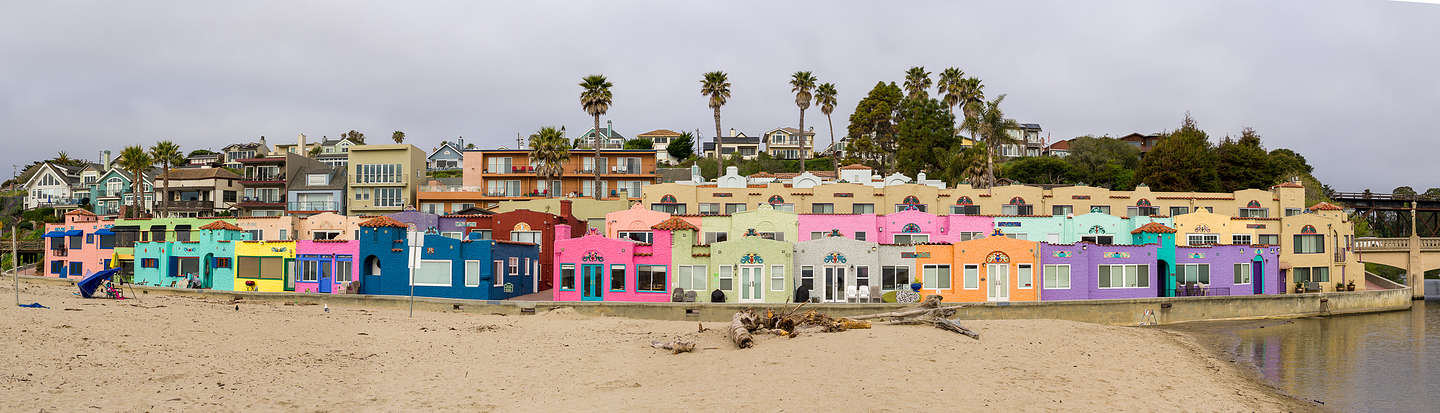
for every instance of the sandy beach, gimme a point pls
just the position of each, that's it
(187, 354)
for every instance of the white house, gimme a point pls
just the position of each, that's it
(53, 185)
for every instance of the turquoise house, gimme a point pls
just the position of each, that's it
(209, 255)
(1093, 227)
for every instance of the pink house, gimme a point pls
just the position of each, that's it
(79, 246)
(326, 266)
(904, 227)
(596, 268)
(635, 223)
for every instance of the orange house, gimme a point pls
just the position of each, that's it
(994, 268)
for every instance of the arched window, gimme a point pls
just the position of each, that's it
(1017, 206)
(668, 199)
(911, 200)
(1142, 202)
(776, 200)
(1308, 229)
(964, 200)
(1017, 201)
(910, 229)
(964, 206)
(372, 266)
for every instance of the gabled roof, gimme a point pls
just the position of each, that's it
(854, 166)
(80, 212)
(1326, 206)
(1289, 184)
(674, 224)
(383, 221)
(62, 172)
(199, 173)
(221, 225)
(660, 132)
(789, 130)
(454, 147)
(1061, 145)
(1154, 228)
(606, 131)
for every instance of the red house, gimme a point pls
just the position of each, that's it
(521, 225)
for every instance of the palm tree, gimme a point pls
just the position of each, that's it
(63, 158)
(135, 160)
(166, 153)
(972, 102)
(549, 149)
(801, 83)
(595, 98)
(398, 136)
(716, 86)
(995, 128)
(917, 82)
(951, 84)
(825, 97)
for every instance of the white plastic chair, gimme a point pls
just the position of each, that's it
(851, 293)
(864, 296)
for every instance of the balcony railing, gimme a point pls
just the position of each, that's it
(1200, 291)
(192, 205)
(314, 206)
(59, 252)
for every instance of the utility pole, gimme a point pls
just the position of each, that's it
(15, 260)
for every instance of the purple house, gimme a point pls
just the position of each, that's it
(1227, 270)
(1085, 271)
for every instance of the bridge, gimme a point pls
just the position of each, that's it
(1394, 215)
(1414, 253)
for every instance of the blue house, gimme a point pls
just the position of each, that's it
(449, 268)
(447, 157)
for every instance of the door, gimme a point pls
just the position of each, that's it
(327, 277)
(290, 273)
(1256, 278)
(998, 284)
(834, 284)
(208, 274)
(590, 282)
(751, 281)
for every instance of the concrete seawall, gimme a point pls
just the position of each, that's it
(1112, 312)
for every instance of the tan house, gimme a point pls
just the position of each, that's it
(789, 143)
(661, 138)
(197, 192)
(738, 142)
(383, 178)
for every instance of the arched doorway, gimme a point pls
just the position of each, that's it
(1257, 274)
(1164, 285)
(207, 271)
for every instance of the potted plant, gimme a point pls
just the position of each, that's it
(916, 285)
(1339, 286)
(1299, 287)
(1350, 286)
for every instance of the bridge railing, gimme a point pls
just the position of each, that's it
(1382, 244)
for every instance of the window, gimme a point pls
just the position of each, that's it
(310, 271)
(255, 234)
(894, 277)
(1100, 209)
(1018, 235)
(1309, 244)
(342, 268)
(379, 173)
(1254, 212)
(731, 209)
(282, 234)
(1290, 212)
(317, 179)
(692, 277)
(224, 262)
(822, 208)
(1192, 273)
(617, 277)
(498, 274)
(260, 267)
(58, 267)
(783, 207)
(107, 241)
(672, 209)
(971, 277)
(1240, 239)
(727, 277)
(324, 235)
(1061, 210)
(532, 237)
(1055, 276)
(908, 239)
(389, 197)
(777, 278)
(1268, 239)
(1177, 211)
(778, 236)
(499, 165)
(714, 237)
(644, 237)
(1127, 275)
(817, 235)
(1202, 239)
(514, 268)
(1141, 211)
(1098, 239)
(711, 208)
(76, 241)
(567, 277)
(89, 238)
(1312, 274)
(77, 268)
(1242, 273)
(860, 236)
(1026, 274)
(807, 277)
(965, 210)
(483, 233)
(936, 277)
(862, 208)
(862, 276)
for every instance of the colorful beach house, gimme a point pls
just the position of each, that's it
(750, 266)
(130, 231)
(448, 268)
(79, 245)
(519, 225)
(1094, 227)
(994, 269)
(840, 269)
(908, 226)
(597, 268)
(764, 221)
(207, 255)
(326, 266)
(267, 266)
(1154, 267)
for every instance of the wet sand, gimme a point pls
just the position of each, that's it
(164, 353)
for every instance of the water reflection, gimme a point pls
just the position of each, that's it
(1368, 362)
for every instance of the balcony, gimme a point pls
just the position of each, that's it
(250, 202)
(192, 205)
(59, 252)
(314, 206)
(263, 179)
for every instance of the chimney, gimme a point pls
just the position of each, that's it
(263, 147)
(300, 146)
(732, 132)
(105, 159)
(565, 208)
(609, 128)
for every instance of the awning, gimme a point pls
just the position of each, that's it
(74, 233)
(104, 231)
(53, 234)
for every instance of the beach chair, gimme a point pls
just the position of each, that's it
(875, 294)
(863, 295)
(851, 293)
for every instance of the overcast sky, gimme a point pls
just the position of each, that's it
(1352, 85)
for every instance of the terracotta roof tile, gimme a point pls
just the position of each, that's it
(80, 212)
(1154, 227)
(853, 166)
(674, 224)
(1289, 185)
(1326, 206)
(221, 225)
(383, 221)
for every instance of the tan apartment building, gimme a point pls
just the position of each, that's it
(383, 179)
(197, 192)
(789, 143)
(493, 176)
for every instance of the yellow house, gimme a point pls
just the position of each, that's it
(383, 179)
(265, 266)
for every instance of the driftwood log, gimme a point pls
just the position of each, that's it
(793, 323)
(739, 330)
(676, 347)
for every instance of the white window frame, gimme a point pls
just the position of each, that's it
(1182, 269)
(1242, 274)
(687, 274)
(777, 278)
(473, 268)
(726, 273)
(1235, 239)
(1050, 279)
(929, 282)
(1025, 274)
(448, 273)
(911, 238)
(1126, 271)
(1190, 239)
(499, 273)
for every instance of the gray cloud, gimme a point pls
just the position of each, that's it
(1349, 84)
